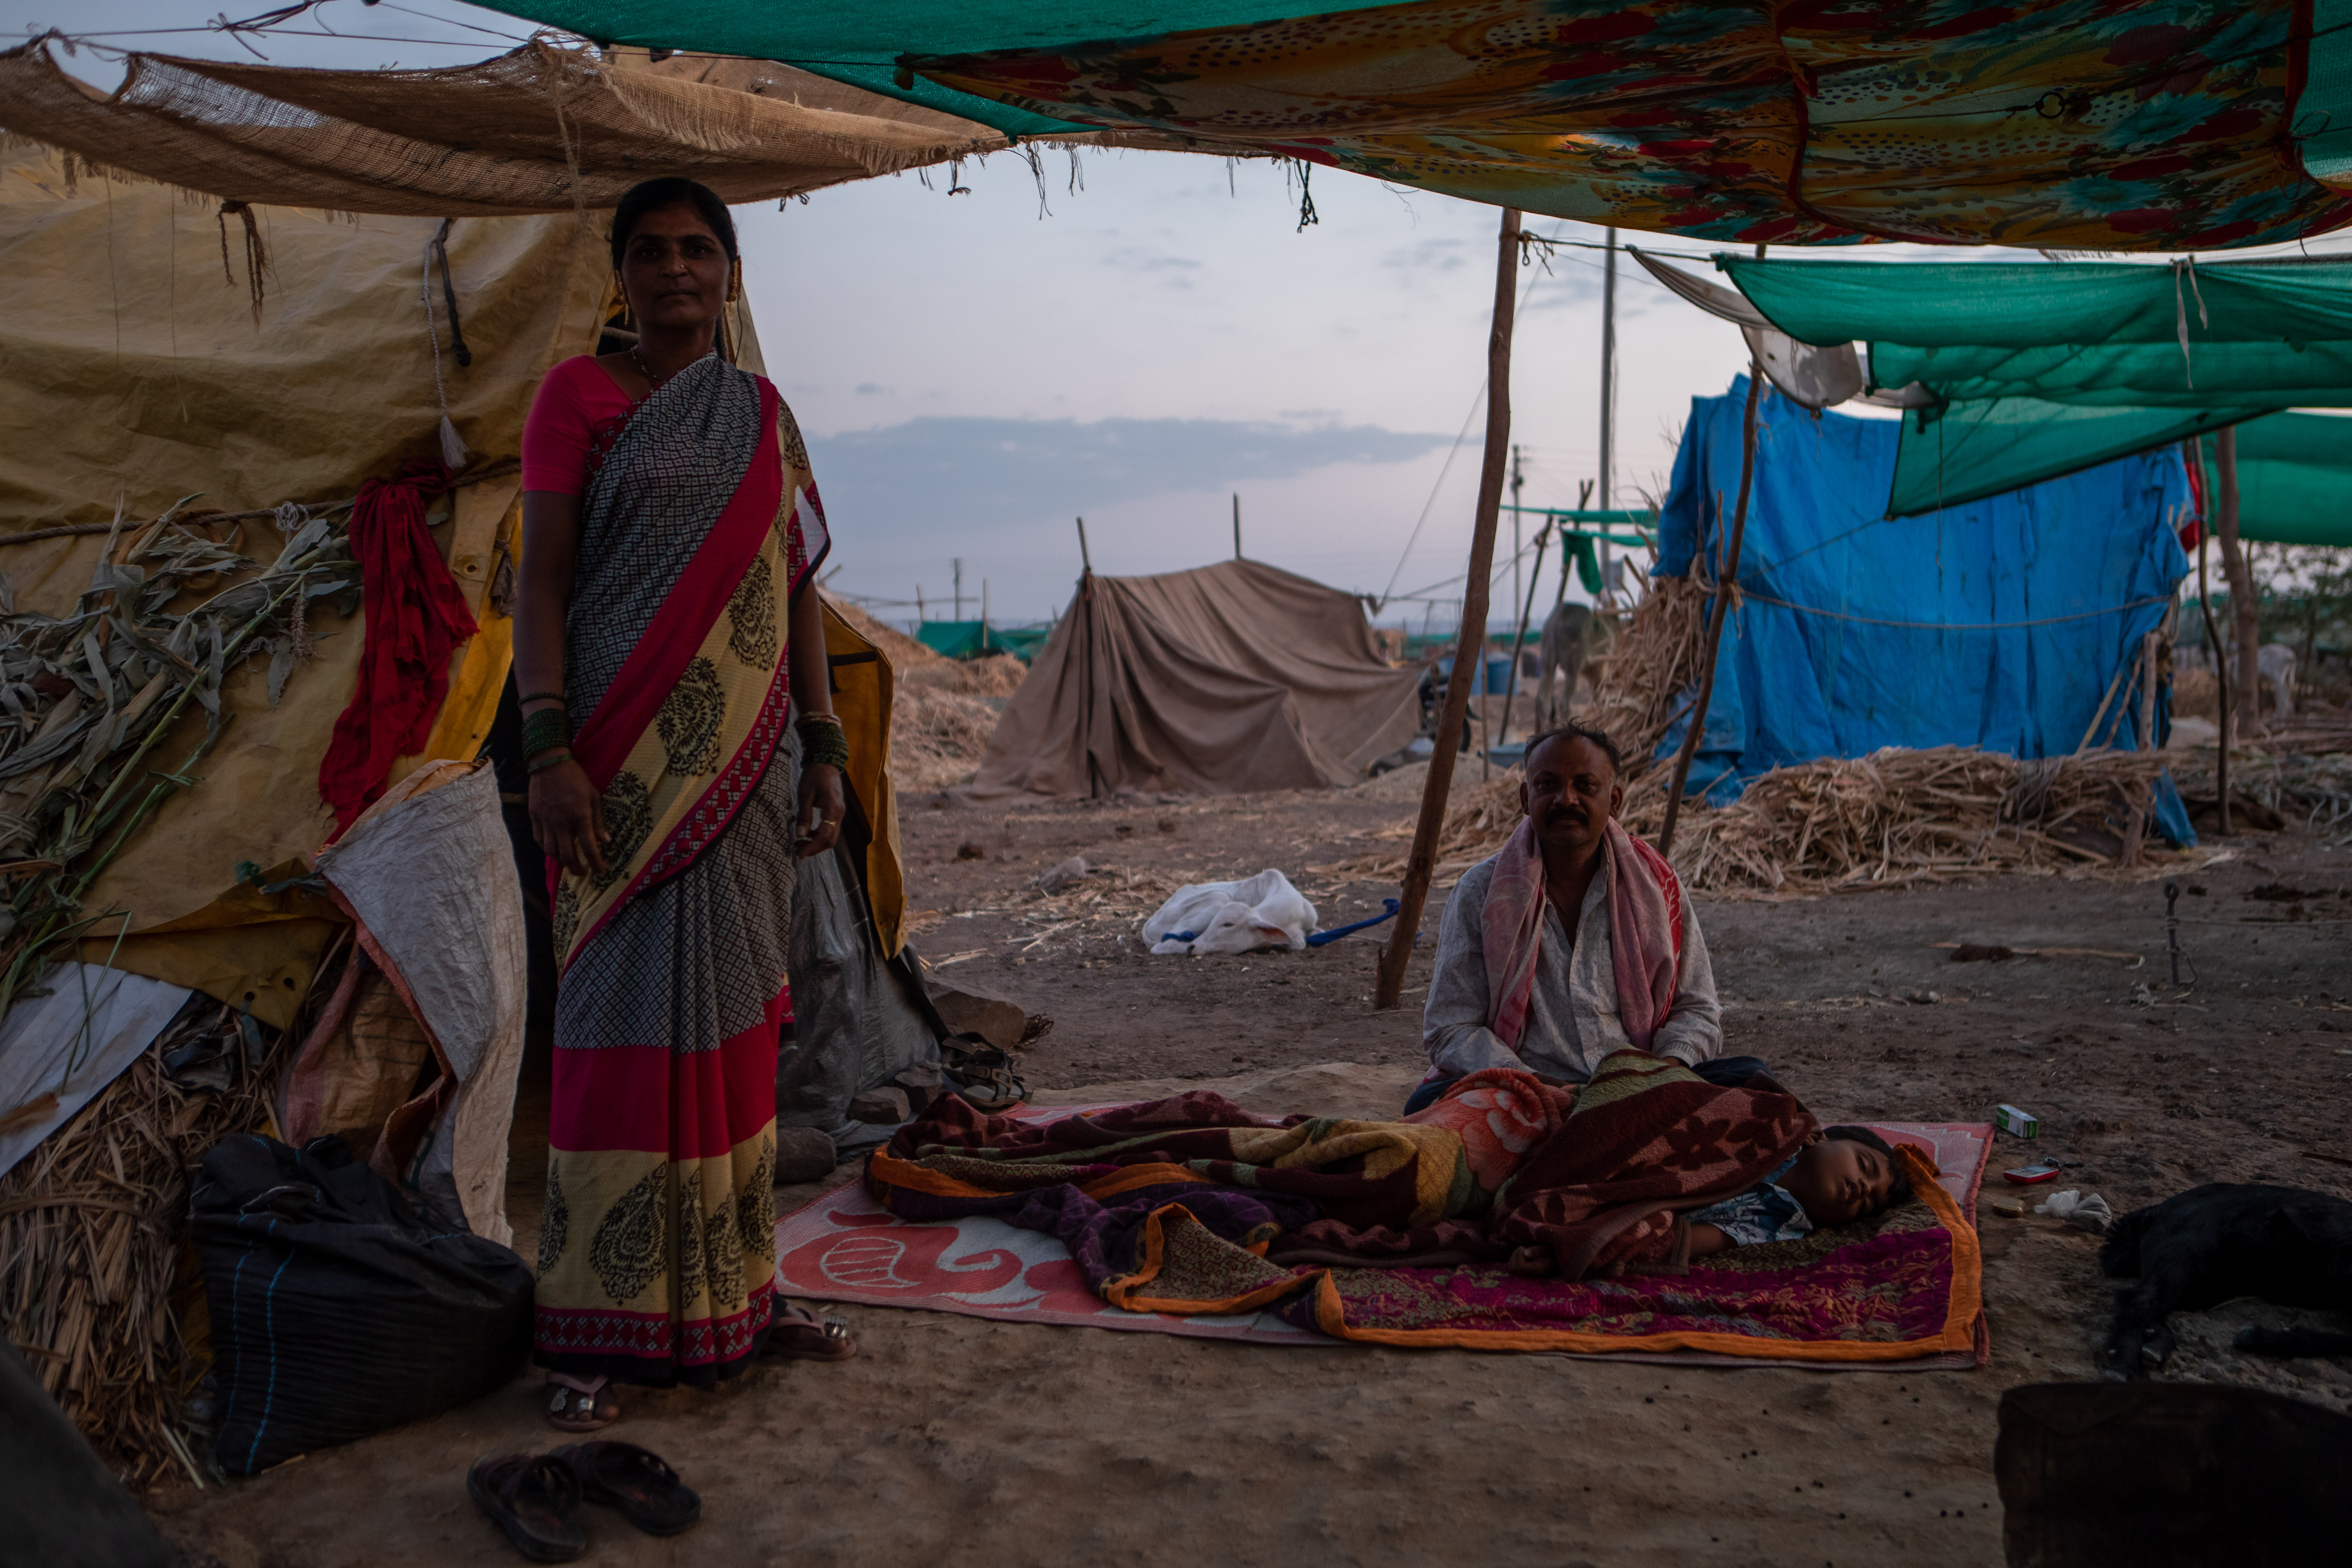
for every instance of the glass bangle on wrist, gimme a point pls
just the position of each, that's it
(560, 755)
(543, 730)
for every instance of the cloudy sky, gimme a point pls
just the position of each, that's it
(975, 370)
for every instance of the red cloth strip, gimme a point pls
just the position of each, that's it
(416, 618)
(687, 1105)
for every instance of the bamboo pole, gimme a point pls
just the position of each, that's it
(1726, 576)
(2246, 666)
(2220, 668)
(1470, 640)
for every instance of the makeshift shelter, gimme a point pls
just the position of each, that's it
(184, 627)
(2138, 125)
(2018, 624)
(1230, 678)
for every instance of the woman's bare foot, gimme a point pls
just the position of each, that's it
(1536, 1262)
(581, 1403)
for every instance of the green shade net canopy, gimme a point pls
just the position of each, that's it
(2295, 480)
(2040, 369)
(2121, 125)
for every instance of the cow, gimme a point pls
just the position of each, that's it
(1574, 635)
(1262, 911)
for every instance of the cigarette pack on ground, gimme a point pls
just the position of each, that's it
(2015, 1122)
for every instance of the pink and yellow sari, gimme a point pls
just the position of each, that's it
(657, 1255)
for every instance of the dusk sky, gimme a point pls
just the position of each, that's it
(976, 370)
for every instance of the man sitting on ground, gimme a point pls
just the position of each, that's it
(1572, 941)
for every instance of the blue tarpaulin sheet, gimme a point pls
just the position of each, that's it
(1999, 623)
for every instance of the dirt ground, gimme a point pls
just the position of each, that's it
(1011, 1445)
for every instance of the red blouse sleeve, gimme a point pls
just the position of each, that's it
(559, 435)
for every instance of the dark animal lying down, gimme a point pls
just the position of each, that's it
(2215, 1242)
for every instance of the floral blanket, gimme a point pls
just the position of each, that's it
(1394, 1232)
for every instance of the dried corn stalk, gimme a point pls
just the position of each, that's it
(86, 697)
(1656, 658)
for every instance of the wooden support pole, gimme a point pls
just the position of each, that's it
(1470, 641)
(2248, 705)
(2220, 668)
(1727, 574)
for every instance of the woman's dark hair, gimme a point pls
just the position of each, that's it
(1573, 730)
(652, 196)
(1900, 1189)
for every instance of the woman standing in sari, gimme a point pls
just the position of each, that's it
(668, 623)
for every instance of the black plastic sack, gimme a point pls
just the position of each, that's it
(338, 1308)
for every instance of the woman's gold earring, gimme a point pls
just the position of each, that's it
(735, 282)
(628, 322)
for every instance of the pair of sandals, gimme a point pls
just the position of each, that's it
(579, 1405)
(536, 1498)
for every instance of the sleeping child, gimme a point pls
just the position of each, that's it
(1849, 1175)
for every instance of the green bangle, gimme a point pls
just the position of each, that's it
(544, 731)
(824, 745)
(560, 755)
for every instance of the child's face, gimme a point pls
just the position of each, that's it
(1840, 1182)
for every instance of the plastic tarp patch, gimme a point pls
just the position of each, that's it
(66, 1045)
(2000, 624)
(429, 873)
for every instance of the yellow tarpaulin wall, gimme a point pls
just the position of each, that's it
(131, 374)
(863, 684)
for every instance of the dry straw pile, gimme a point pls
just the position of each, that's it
(98, 1290)
(940, 715)
(1892, 817)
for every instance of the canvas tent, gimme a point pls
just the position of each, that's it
(539, 130)
(1230, 678)
(2016, 623)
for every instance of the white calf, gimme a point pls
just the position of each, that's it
(1261, 911)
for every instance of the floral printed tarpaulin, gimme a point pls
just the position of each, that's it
(2103, 125)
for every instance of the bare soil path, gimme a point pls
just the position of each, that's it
(1012, 1445)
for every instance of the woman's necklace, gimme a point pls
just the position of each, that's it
(652, 382)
